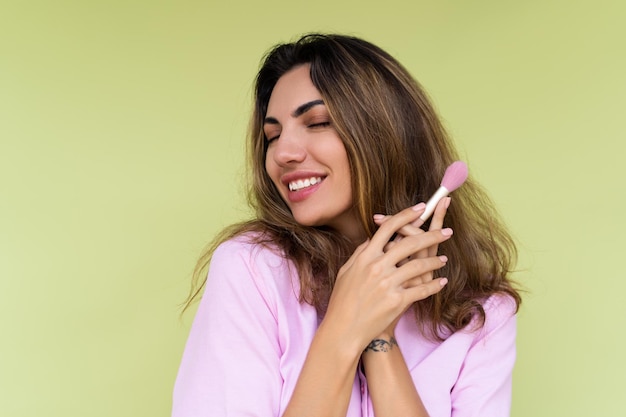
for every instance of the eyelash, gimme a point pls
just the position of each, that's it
(321, 124)
(311, 126)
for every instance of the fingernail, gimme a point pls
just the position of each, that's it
(446, 203)
(443, 258)
(419, 207)
(446, 232)
(443, 281)
(379, 216)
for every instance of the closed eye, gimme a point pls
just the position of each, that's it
(272, 134)
(321, 124)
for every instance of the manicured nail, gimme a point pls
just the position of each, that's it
(443, 258)
(419, 207)
(446, 203)
(446, 232)
(443, 281)
(379, 216)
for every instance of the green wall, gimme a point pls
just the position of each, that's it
(121, 126)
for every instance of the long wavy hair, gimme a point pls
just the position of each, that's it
(398, 151)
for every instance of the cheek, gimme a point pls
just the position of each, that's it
(268, 161)
(342, 162)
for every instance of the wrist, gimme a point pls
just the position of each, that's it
(338, 341)
(382, 344)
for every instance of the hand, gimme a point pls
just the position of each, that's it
(380, 281)
(414, 229)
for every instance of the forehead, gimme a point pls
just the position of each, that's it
(292, 89)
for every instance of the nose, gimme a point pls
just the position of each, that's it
(287, 149)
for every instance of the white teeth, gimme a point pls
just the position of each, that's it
(300, 184)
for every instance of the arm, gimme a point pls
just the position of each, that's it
(325, 382)
(372, 290)
(231, 361)
(479, 371)
(233, 345)
(483, 388)
(389, 381)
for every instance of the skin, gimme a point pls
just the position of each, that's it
(391, 385)
(377, 284)
(303, 144)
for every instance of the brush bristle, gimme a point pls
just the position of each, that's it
(455, 176)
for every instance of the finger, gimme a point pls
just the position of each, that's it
(423, 291)
(394, 239)
(439, 214)
(389, 245)
(414, 282)
(413, 244)
(419, 271)
(419, 222)
(354, 255)
(424, 253)
(408, 230)
(437, 221)
(382, 218)
(393, 224)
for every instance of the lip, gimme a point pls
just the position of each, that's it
(300, 175)
(303, 194)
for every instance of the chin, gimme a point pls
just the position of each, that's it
(308, 222)
(310, 219)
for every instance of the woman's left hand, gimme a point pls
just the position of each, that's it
(413, 229)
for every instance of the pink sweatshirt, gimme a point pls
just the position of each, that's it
(251, 335)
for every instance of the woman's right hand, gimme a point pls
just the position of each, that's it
(377, 284)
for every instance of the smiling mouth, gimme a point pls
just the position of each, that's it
(301, 184)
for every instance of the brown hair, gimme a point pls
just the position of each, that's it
(398, 151)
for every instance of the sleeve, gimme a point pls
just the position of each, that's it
(483, 388)
(230, 366)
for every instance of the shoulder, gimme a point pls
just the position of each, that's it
(499, 307)
(248, 262)
(251, 247)
(500, 317)
(252, 251)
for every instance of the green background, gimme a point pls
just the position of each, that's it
(121, 139)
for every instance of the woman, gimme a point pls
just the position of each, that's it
(336, 300)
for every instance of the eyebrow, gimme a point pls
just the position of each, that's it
(303, 108)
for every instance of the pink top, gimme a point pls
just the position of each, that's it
(250, 338)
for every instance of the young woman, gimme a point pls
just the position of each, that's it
(336, 300)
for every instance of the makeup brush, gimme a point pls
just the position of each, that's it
(453, 178)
